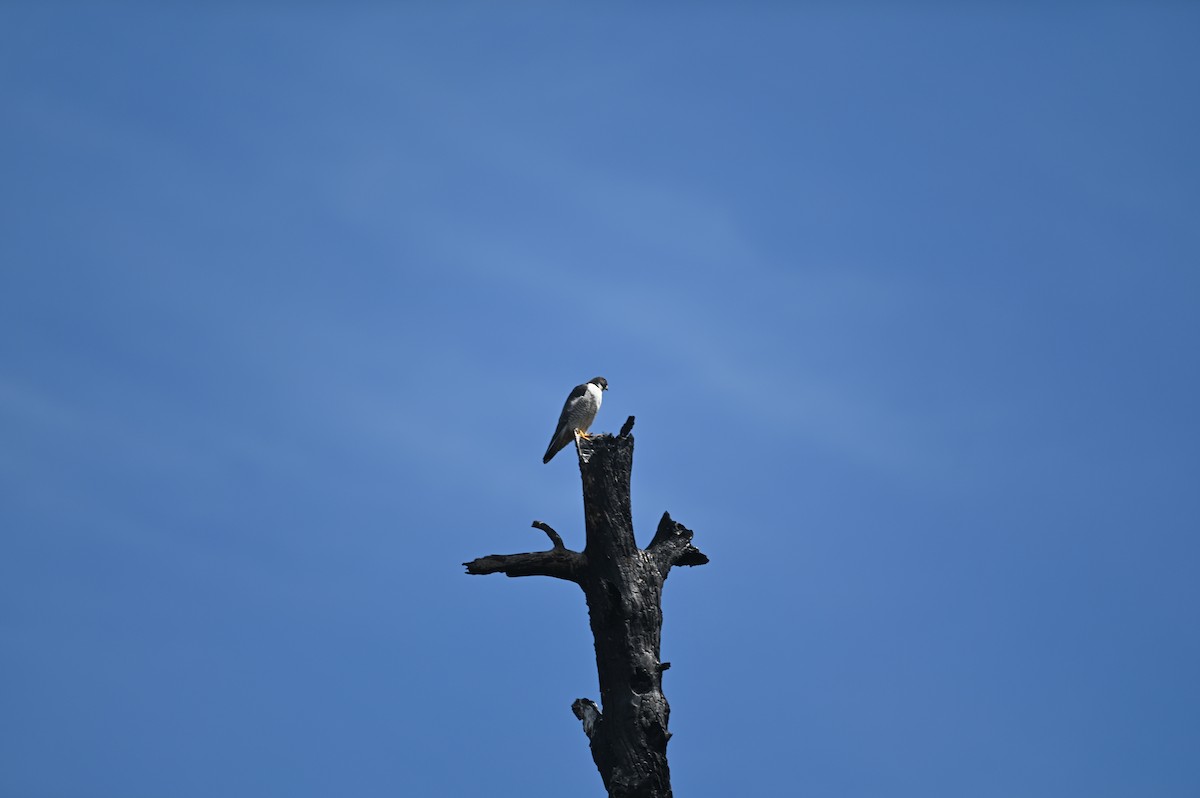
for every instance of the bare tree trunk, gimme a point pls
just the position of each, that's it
(623, 586)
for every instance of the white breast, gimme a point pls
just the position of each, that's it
(582, 411)
(595, 392)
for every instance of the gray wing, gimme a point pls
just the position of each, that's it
(563, 433)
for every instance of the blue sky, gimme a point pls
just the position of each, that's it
(904, 301)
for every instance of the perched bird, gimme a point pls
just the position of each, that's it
(577, 414)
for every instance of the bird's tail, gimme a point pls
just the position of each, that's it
(556, 446)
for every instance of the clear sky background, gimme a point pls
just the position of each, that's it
(905, 302)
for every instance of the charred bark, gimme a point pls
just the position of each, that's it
(623, 587)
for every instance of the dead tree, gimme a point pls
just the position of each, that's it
(623, 587)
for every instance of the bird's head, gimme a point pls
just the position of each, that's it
(599, 382)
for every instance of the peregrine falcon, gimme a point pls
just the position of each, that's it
(577, 414)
